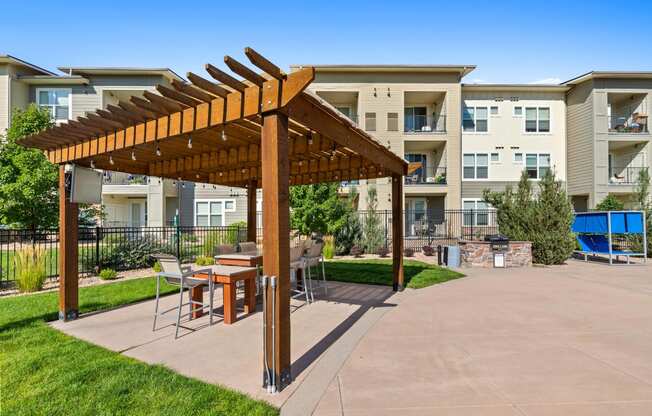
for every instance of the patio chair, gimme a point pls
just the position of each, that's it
(224, 249)
(297, 262)
(313, 257)
(248, 247)
(182, 276)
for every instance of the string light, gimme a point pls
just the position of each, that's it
(92, 164)
(111, 160)
(158, 150)
(223, 135)
(310, 138)
(189, 142)
(133, 155)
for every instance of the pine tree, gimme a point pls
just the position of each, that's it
(373, 232)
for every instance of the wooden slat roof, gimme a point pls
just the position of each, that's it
(207, 131)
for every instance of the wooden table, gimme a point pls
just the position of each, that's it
(253, 259)
(228, 276)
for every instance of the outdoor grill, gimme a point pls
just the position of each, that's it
(499, 246)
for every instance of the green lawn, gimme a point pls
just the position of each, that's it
(379, 272)
(44, 372)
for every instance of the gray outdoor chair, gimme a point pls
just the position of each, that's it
(297, 262)
(182, 276)
(248, 247)
(312, 258)
(224, 249)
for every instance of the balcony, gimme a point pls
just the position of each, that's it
(111, 178)
(628, 113)
(625, 175)
(421, 124)
(427, 175)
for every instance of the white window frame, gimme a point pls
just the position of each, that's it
(537, 107)
(475, 201)
(67, 90)
(522, 161)
(209, 201)
(497, 113)
(514, 111)
(495, 161)
(475, 119)
(475, 166)
(538, 165)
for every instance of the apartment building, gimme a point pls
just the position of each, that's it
(129, 200)
(608, 135)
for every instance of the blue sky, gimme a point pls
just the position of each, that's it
(509, 41)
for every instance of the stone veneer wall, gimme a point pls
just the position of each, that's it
(479, 254)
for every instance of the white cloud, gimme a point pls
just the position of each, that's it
(547, 81)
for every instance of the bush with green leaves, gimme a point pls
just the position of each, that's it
(132, 254)
(643, 203)
(544, 217)
(157, 267)
(374, 236)
(610, 203)
(329, 248)
(204, 261)
(108, 274)
(317, 209)
(30, 266)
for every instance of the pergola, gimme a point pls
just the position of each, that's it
(264, 131)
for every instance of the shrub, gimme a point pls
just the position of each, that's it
(610, 203)
(348, 235)
(329, 248)
(356, 251)
(204, 261)
(132, 254)
(108, 274)
(30, 269)
(544, 219)
(428, 250)
(382, 251)
(373, 231)
(234, 231)
(408, 252)
(157, 267)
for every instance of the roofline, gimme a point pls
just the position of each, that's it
(53, 79)
(18, 61)
(607, 74)
(516, 87)
(111, 70)
(460, 69)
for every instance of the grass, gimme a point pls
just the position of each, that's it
(379, 272)
(45, 372)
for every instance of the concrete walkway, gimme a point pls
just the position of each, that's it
(567, 340)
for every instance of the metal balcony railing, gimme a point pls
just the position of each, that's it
(425, 124)
(625, 175)
(118, 179)
(427, 175)
(632, 123)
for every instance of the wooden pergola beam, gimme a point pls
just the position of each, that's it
(264, 64)
(207, 85)
(243, 71)
(225, 78)
(192, 91)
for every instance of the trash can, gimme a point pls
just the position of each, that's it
(453, 256)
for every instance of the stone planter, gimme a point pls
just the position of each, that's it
(479, 254)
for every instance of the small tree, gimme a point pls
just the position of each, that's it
(350, 233)
(317, 208)
(545, 219)
(373, 231)
(28, 181)
(610, 203)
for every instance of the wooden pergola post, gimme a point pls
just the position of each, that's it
(252, 226)
(397, 232)
(276, 242)
(68, 274)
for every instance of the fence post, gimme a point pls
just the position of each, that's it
(97, 249)
(386, 233)
(178, 238)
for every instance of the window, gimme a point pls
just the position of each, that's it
(370, 121)
(518, 111)
(537, 119)
(495, 157)
(345, 110)
(211, 212)
(392, 121)
(518, 157)
(416, 118)
(474, 119)
(537, 165)
(494, 110)
(476, 166)
(56, 101)
(476, 212)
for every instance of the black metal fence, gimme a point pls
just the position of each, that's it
(125, 248)
(119, 248)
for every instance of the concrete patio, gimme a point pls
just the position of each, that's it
(573, 339)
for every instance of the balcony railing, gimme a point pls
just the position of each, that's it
(111, 179)
(633, 123)
(425, 125)
(427, 175)
(625, 175)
